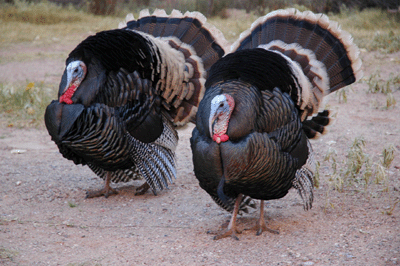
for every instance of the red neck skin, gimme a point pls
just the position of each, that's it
(66, 97)
(220, 138)
(220, 135)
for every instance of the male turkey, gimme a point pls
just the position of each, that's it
(254, 122)
(123, 92)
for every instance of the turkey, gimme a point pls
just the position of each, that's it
(260, 108)
(124, 91)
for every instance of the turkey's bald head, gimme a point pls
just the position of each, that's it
(73, 75)
(221, 110)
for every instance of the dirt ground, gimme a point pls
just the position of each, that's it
(46, 220)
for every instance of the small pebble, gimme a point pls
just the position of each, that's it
(17, 151)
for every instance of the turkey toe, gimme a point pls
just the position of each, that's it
(231, 232)
(101, 192)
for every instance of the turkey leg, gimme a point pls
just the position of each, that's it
(232, 229)
(106, 191)
(261, 226)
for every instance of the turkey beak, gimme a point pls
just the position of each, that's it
(64, 84)
(211, 123)
(67, 84)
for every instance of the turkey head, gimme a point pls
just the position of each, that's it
(221, 110)
(73, 75)
(90, 67)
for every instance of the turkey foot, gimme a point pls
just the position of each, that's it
(231, 232)
(101, 192)
(261, 225)
(142, 189)
(232, 228)
(106, 191)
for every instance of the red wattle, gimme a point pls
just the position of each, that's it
(220, 138)
(224, 138)
(66, 97)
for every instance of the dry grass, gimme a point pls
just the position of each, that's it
(26, 22)
(372, 29)
(24, 106)
(376, 84)
(46, 24)
(356, 171)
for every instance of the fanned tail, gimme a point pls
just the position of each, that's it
(325, 54)
(188, 46)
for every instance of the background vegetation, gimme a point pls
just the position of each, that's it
(48, 23)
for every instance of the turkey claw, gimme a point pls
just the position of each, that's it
(231, 232)
(263, 228)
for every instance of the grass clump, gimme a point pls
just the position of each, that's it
(358, 169)
(71, 204)
(44, 13)
(20, 105)
(42, 22)
(387, 42)
(7, 254)
(355, 170)
(372, 29)
(385, 86)
(378, 85)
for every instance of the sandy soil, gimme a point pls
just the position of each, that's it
(45, 220)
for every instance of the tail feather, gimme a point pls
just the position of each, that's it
(156, 161)
(120, 175)
(188, 46)
(304, 180)
(315, 126)
(326, 54)
(229, 204)
(190, 28)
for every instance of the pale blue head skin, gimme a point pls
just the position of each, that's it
(74, 73)
(221, 108)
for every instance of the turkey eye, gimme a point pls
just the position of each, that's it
(221, 105)
(76, 70)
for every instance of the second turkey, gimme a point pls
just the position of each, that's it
(261, 107)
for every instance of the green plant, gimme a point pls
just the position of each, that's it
(342, 94)
(390, 211)
(357, 169)
(25, 103)
(7, 254)
(71, 204)
(388, 156)
(317, 175)
(354, 171)
(390, 100)
(387, 42)
(382, 167)
(335, 178)
(378, 85)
